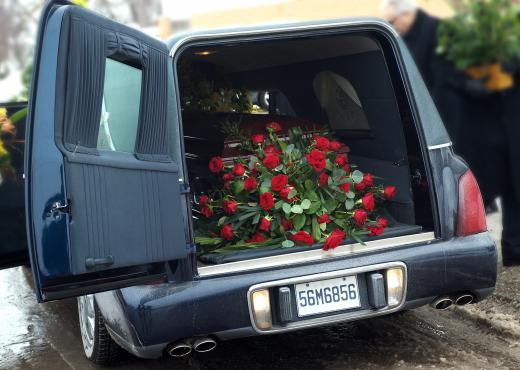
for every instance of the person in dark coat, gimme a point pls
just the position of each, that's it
(446, 85)
(488, 139)
(485, 129)
(419, 31)
(508, 157)
(484, 126)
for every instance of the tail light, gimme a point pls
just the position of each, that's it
(471, 213)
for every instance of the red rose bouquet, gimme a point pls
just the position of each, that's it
(293, 190)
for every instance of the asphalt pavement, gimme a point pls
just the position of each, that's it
(481, 336)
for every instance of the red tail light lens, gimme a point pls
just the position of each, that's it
(471, 213)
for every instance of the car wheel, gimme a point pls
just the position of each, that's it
(99, 347)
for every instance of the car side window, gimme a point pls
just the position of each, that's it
(120, 110)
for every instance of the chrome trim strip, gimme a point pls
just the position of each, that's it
(348, 316)
(286, 28)
(316, 255)
(440, 146)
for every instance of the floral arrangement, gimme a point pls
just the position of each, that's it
(200, 94)
(292, 190)
(7, 129)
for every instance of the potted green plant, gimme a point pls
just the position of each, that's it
(481, 38)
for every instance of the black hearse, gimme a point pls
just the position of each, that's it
(114, 163)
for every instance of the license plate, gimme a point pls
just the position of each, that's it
(322, 296)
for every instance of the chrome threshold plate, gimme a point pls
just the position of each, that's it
(315, 255)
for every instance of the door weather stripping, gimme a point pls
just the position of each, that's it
(212, 35)
(316, 255)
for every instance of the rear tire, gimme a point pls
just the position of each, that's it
(98, 345)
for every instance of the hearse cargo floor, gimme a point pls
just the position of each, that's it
(221, 258)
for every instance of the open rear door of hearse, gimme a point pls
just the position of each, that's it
(104, 202)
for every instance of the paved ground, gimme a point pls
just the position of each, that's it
(483, 336)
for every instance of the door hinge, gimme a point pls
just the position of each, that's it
(185, 188)
(58, 209)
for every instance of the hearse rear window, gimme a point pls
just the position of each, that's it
(120, 111)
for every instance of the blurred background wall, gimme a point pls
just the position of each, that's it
(300, 10)
(162, 18)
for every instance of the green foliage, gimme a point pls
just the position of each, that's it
(299, 221)
(233, 131)
(481, 32)
(18, 115)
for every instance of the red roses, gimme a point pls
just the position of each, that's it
(250, 184)
(271, 149)
(360, 217)
(389, 192)
(230, 207)
(368, 180)
(375, 230)
(266, 201)
(360, 186)
(203, 204)
(284, 194)
(345, 187)
(334, 239)
(265, 224)
(257, 139)
(226, 232)
(279, 182)
(378, 229)
(257, 238)
(271, 161)
(216, 164)
(292, 190)
(323, 180)
(317, 160)
(302, 237)
(368, 202)
(321, 143)
(335, 146)
(287, 224)
(227, 177)
(206, 212)
(274, 126)
(324, 219)
(239, 169)
(341, 160)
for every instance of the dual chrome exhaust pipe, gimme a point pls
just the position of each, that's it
(184, 348)
(444, 302)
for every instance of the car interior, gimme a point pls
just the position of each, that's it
(350, 83)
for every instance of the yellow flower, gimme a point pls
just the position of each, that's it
(82, 3)
(3, 113)
(3, 151)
